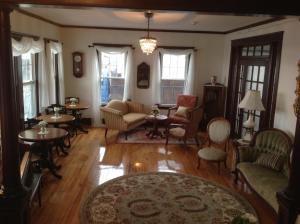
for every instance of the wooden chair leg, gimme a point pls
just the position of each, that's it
(219, 168)
(225, 165)
(236, 176)
(106, 129)
(39, 195)
(167, 139)
(197, 141)
(199, 163)
(126, 135)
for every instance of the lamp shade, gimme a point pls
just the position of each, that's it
(252, 101)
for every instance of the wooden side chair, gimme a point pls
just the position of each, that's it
(186, 130)
(218, 130)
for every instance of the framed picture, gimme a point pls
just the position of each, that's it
(143, 76)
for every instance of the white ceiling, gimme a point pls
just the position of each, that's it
(167, 20)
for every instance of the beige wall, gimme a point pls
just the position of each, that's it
(26, 24)
(209, 60)
(284, 115)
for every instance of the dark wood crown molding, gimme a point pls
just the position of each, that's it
(151, 30)
(275, 19)
(111, 45)
(19, 35)
(268, 7)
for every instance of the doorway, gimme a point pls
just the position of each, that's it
(254, 65)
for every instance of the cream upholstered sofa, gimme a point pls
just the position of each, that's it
(123, 115)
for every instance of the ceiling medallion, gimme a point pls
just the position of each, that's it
(148, 44)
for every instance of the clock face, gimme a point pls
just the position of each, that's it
(77, 58)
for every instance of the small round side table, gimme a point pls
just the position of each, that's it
(156, 121)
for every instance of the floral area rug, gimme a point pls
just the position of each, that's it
(162, 198)
(140, 136)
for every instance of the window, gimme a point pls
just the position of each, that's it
(29, 85)
(112, 76)
(173, 77)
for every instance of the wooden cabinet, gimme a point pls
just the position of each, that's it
(213, 101)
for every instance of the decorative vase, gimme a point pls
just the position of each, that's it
(213, 80)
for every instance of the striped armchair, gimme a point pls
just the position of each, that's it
(123, 115)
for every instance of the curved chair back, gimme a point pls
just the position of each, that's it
(218, 130)
(187, 101)
(274, 141)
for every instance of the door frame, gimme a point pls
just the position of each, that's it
(274, 39)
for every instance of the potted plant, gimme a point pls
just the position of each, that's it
(73, 101)
(155, 110)
(43, 129)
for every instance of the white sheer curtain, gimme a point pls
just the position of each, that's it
(29, 45)
(54, 48)
(156, 76)
(189, 84)
(94, 68)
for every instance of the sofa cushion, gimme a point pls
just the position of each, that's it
(131, 118)
(182, 112)
(118, 105)
(134, 107)
(270, 160)
(266, 182)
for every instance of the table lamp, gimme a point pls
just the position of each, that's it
(252, 102)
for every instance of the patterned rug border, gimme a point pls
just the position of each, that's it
(92, 193)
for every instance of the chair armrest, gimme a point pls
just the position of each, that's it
(112, 111)
(172, 108)
(246, 154)
(135, 107)
(113, 118)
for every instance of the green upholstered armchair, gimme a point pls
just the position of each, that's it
(264, 164)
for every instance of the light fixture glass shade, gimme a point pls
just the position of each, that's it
(148, 44)
(252, 101)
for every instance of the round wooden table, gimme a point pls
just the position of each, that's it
(156, 121)
(75, 108)
(53, 134)
(51, 119)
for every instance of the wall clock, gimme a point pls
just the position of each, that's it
(77, 64)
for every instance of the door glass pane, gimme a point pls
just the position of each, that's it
(249, 72)
(262, 73)
(266, 50)
(260, 87)
(257, 51)
(244, 51)
(251, 51)
(254, 86)
(255, 73)
(248, 86)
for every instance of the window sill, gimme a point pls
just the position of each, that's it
(165, 106)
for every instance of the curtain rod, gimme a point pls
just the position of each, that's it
(19, 35)
(177, 48)
(49, 39)
(110, 45)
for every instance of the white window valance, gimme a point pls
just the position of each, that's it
(189, 85)
(29, 45)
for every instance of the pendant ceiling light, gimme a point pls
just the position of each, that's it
(148, 44)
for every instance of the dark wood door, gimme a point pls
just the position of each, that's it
(254, 66)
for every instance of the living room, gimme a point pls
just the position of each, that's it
(210, 40)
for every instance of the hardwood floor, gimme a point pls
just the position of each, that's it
(91, 162)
